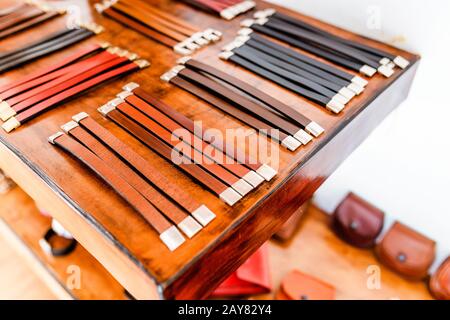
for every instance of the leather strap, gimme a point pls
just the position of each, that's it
(301, 57)
(34, 111)
(307, 47)
(9, 10)
(169, 209)
(31, 13)
(150, 173)
(246, 104)
(139, 27)
(46, 51)
(192, 155)
(310, 72)
(80, 70)
(69, 81)
(230, 109)
(151, 215)
(196, 142)
(198, 173)
(28, 24)
(89, 49)
(261, 96)
(188, 124)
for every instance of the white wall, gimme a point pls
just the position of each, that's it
(404, 166)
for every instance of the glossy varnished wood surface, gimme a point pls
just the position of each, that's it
(238, 231)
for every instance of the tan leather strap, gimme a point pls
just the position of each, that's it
(206, 179)
(147, 170)
(169, 234)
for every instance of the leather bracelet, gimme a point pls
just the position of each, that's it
(44, 243)
(195, 142)
(262, 169)
(28, 24)
(34, 111)
(182, 220)
(330, 104)
(192, 155)
(249, 106)
(78, 55)
(307, 124)
(273, 133)
(55, 88)
(168, 233)
(227, 194)
(200, 212)
(382, 55)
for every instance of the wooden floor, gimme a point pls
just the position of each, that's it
(314, 250)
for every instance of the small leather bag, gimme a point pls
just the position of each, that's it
(253, 277)
(440, 281)
(299, 286)
(406, 251)
(358, 222)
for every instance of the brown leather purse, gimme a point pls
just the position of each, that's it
(440, 281)
(358, 222)
(299, 286)
(406, 251)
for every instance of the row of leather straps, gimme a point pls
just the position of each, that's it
(23, 16)
(27, 97)
(227, 9)
(159, 25)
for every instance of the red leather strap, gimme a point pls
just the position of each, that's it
(134, 198)
(197, 143)
(188, 124)
(195, 171)
(4, 90)
(190, 153)
(150, 172)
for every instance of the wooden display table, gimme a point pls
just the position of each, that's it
(114, 234)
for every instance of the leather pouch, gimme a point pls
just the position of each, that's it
(440, 281)
(358, 222)
(299, 286)
(406, 251)
(253, 277)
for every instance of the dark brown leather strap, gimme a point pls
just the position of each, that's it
(31, 13)
(206, 179)
(151, 173)
(188, 124)
(165, 206)
(168, 233)
(89, 49)
(261, 96)
(196, 142)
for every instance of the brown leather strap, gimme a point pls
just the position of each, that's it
(191, 154)
(28, 24)
(230, 109)
(147, 19)
(251, 90)
(170, 210)
(164, 17)
(208, 180)
(89, 49)
(188, 124)
(196, 142)
(22, 17)
(134, 198)
(139, 164)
